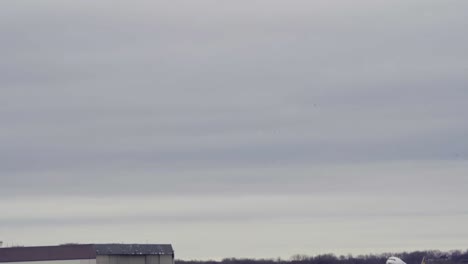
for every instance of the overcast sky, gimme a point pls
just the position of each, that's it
(256, 128)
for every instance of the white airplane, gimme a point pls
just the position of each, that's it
(395, 260)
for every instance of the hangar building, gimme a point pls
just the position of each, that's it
(89, 254)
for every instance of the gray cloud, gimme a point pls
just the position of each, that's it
(231, 99)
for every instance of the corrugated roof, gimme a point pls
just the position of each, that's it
(80, 251)
(133, 249)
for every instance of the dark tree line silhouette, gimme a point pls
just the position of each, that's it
(415, 257)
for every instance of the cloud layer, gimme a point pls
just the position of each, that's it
(328, 125)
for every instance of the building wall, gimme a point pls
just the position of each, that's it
(75, 261)
(159, 259)
(145, 259)
(109, 259)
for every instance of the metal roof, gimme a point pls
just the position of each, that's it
(133, 249)
(80, 251)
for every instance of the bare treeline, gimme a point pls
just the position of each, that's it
(432, 257)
